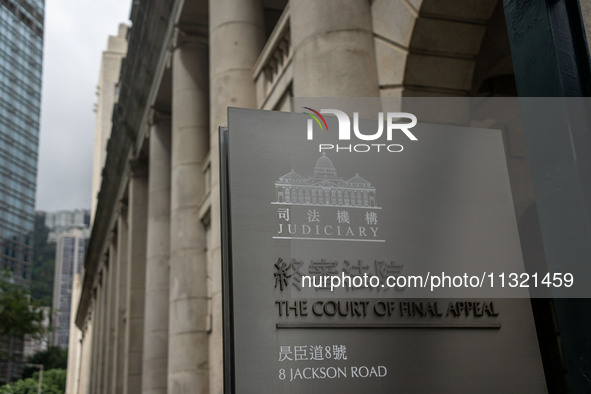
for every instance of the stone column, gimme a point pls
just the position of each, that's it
(188, 366)
(155, 372)
(76, 337)
(102, 337)
(120, 358)
(237, 37)
(136, 274)
(85, 359)
(96, 319)
(111, 314)
(333, 56)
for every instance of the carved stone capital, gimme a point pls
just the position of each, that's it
(156, 117)
(112, 236)
(122, 207)
(189, 35)
(139, 166)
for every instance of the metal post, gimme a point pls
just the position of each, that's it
(40, 379)
(40, 366)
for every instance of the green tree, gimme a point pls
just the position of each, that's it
(43, 263)
(54, 382)
(18, 316)
(52, 358)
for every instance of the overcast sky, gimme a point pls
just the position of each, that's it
(76, 34)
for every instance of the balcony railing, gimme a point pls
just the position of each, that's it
(272, 71)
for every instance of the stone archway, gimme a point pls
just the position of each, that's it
(459, 48)
(442, 48)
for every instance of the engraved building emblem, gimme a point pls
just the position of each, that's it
(325, 188)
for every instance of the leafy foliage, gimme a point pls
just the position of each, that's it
(54, 382)
(52, 358)
(43, 264)
(18, 315)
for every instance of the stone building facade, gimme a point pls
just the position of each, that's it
(150, 305)
(107, 92)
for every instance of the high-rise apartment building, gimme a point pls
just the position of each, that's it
(69, 257)
(67, 219)
(21, 57)
(62, 221)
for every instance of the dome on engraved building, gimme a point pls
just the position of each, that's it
(324, 168)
